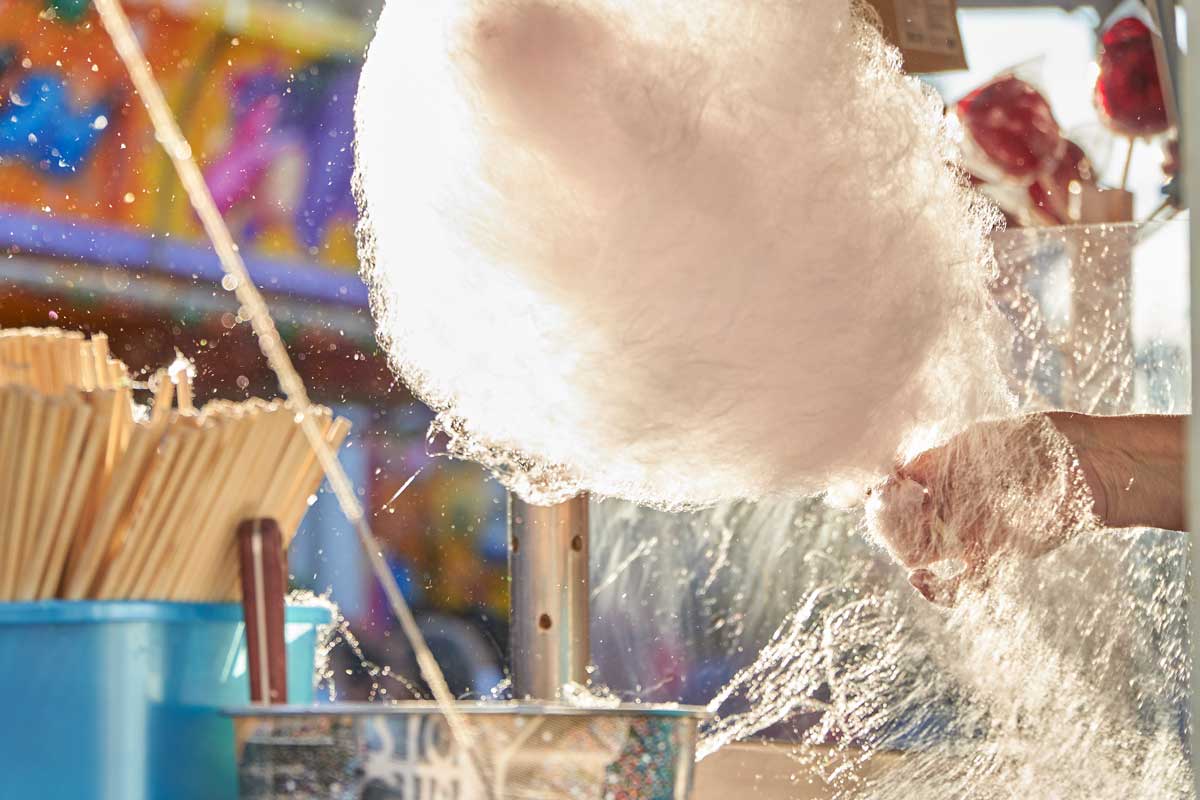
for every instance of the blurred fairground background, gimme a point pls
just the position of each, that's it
(96, 235)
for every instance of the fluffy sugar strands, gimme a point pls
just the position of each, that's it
(676, 252)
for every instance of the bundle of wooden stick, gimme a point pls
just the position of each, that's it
(103, 498)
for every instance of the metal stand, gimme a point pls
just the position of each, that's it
(548, 568)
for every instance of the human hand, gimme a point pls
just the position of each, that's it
(1002, 489)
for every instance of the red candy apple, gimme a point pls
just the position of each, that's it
(1128, 93)
(1012, 124)
(1050, 193)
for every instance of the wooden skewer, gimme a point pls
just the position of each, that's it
(164, 394)
(102, 504)
(181, 375)
(145, 531)
(6, 337)
(100, 361)
(164, 546)
(115, 407)
(119, 377)
(73, 342)
(286, 472)
(57, 501)
(245, 483)
(89, 381)
(57, 416)
(20, 507)
(211, 489)
(31, 356)
(36, 362)
(143, 461)
(217, 586)
(55, 370)
(280, 471)
(125, 482)
(127, 539)
(16, 409)
(15, 372)
(304, 485)
(297, 505)
(83, 494)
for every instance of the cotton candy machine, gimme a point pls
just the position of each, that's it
(535, 746)
(521, 750)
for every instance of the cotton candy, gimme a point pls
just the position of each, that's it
(674, 252)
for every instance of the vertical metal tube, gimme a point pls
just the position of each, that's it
(1190, 84)
(548, 568)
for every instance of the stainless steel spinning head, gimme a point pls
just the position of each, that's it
(548, 568)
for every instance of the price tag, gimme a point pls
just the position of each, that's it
(926, 31)
(928, 25)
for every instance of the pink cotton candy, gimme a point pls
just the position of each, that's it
(676, 252)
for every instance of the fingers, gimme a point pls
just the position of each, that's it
(940, 592)
(922, 468)
(946, 592)
(900, 515)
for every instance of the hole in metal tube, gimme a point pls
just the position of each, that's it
(544, 622)
(515, 544)
(577, 543)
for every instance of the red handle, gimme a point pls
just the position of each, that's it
(264, 571)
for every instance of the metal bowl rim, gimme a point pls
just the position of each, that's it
(498, 708)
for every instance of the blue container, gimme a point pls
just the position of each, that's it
(120, 700)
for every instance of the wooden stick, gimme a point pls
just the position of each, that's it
(16, 411)
(13, 372)
(6, 337)
(126, 480)
(73, 343)
(163, 535)
(164, 393)
(83, 496)
(89, 381)
(287, 472)
(210, 489)
(100, 504)
(19, 509)
(57, 416)
(147, 479)
(127, 538)
(1128, 162)
(146, 529)
(296, 505)
(116, 407)
(54, 369)
(286, 475)
(246, 483)
(100, 361)
(57, 501)
(181, 375)
(32, 356)
(211, 579)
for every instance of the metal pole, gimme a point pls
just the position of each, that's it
(1170, 70)
(548, 568)
(1190, 94)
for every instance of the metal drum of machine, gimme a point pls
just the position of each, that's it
(520, 750)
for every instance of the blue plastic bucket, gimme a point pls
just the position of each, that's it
(120, 700)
